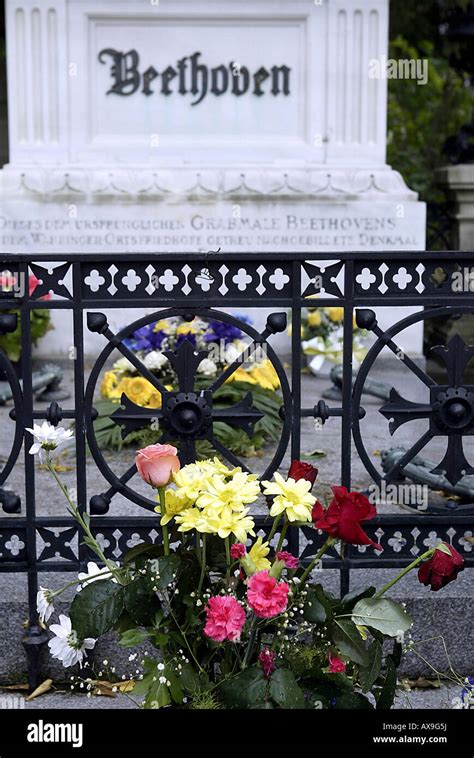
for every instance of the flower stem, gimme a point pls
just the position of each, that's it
(282, 537)
(248, 652)
(83, 523)
(164, 527)
(203, 564)
(402, 573)
(329, 542)
(276, 521)
(227, 556)
(102, 575)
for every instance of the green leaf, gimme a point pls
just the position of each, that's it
(396, 654)
(314, 611)
(387, 693)
(124, 624)
(320, 604)
(96, 608)
(166, 567)
(349, 600)
(348, 640)
(189, 677)
(381, 614)
(369, 674)
(246, 690)
(285, 691)
(140, 601)
(143, 550)
(133, 637)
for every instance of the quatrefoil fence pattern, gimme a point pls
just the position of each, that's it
(188, 285)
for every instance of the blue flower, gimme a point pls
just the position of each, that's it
(218, 330)
(190, 337)
(145, 339)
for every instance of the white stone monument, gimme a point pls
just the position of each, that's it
(191, 125)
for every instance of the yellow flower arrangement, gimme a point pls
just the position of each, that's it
(293, 498)
(232, 494)
(335, 314)
(108, 388)
(262, 373)
(175, 503)
(314, 318)
(258, 553)
(211, 498)
(186, 329)
(139, 390)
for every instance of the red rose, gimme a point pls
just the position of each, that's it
(301, 470)
(344, 516)
(442, 568)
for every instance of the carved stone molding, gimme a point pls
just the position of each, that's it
(216, 184)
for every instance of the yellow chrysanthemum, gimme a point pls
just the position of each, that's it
(174, 504)
(335, 314)
(231, 494)
(258, 553)
(161, 325)
(215, 466)
(154, 401)
(265, 375)
(241, 375)
(186, 329)
(139, 390)
(292, 498)
(202, 521)
(314, 318)
(191, 480)
(236, 523)
(109, 385)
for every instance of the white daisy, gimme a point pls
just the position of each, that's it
(66, 646)
(94, 573)
(44, 604)
(48, 437)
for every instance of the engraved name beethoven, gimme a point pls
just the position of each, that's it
(191, 77)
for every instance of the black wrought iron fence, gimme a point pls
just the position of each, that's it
(188, 285)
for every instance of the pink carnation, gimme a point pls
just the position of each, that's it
(267, 661)
(237, 551)
(290, 561)
(336, 664)
(225, 619)
(266, 596)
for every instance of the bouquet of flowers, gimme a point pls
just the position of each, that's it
(235, 620)
(223, 343)
(322, 337)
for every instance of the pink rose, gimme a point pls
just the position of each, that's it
(237, 551)
(336, 664)
(290, 561)
(267, 661)
(225, 619)
(157, 463)
(266, 596)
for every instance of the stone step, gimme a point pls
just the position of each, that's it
(442, 622)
